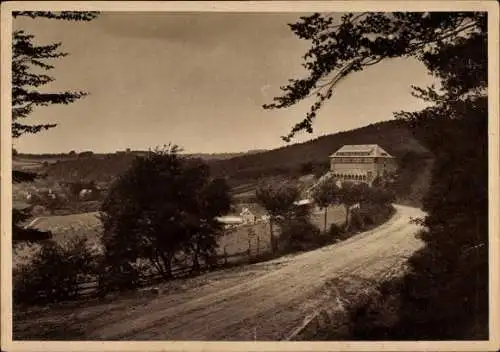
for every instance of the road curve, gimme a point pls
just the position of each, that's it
(269, 306)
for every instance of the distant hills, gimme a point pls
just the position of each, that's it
(243, 168)
(393, 136)
(223, 156)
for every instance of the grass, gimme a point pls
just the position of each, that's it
(63, 228)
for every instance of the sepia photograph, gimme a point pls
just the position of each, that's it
(271, 175)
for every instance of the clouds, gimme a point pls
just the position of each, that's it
(198, 80)
(198, 28)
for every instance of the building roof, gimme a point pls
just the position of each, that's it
(229, 219)
(302, 202)
(371, 150)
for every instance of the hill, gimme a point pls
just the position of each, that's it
(302, 158)
(99, 167)
(243, 169)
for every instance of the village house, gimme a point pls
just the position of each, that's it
(361, 163)
(247, 216)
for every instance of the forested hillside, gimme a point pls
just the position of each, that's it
(293, 160)
(310, 156)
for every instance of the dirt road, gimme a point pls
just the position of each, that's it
(269, 305)
(264, 301)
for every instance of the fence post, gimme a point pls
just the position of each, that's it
(258, 244)
(225, 256)
(249, 246)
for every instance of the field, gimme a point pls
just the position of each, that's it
(63, 227)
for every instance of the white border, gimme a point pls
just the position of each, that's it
(254, 6)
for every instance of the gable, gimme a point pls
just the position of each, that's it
(361, 150)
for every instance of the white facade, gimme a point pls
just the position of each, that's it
(361, 163)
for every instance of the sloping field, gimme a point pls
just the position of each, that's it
(63, 228)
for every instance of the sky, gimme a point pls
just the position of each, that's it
(197, 80)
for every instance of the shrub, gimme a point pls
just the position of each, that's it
(356, 221)
(118, 277)
(298, 234)
(335, 231)
(374, 315)
(54, 273)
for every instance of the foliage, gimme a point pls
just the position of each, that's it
(122, 276)
(356, 223)
(22, 234)
(445, 295)
(74, 188)
(162, 205)
(335, 231)
(54, 273)
(298, 234)
(325, 194)
(350, 194)
(85, 154)
(394, 136)
(277, 197)
(50, 201)
(375, 312)
(27, 58)
(365, 39)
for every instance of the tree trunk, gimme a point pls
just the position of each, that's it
(272, 235)
(167, 264)
(158, 266)
(196, 261)
(326, 217)
(346, 225)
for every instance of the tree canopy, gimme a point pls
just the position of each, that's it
(28, 59)
(277, 196)
(163, 205)
(362, 40)
(325, 194)
(445, 294)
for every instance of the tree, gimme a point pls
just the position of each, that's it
(214, 198)
(350, 194)
(363, 40)
(445, 294)
(51, 201)
(161, 205)
(86, 154)
(326, 194)
(277, 197)
(27, 58)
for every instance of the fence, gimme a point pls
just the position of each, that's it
(256, 246)
(244, 244)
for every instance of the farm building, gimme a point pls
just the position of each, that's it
(247, 216)
(230, 220)
(361, 163)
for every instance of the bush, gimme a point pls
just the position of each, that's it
(118, 278)
(375, 313)
(300, 235)
(356, 223)
(54, 273)
(335, 232)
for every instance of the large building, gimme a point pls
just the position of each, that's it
(361, 163)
